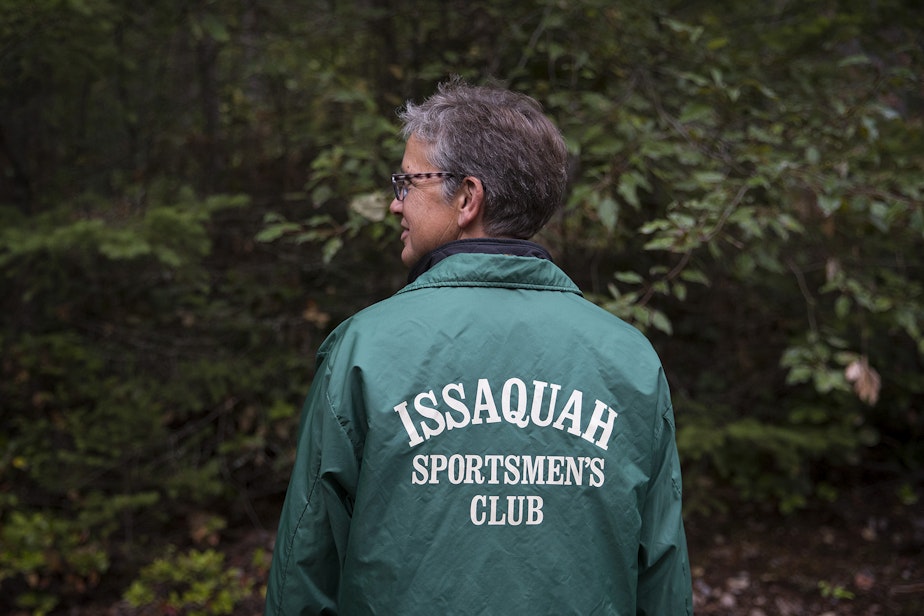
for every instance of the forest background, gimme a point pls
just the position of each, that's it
(193, 193)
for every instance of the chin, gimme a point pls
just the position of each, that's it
(408, 258)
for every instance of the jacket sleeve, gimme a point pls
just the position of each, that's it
(664, 583)
(314, 525)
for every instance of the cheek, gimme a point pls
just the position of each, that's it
(415, 216)
(409, 212)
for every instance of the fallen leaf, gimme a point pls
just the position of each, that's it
(866, 381)
(315, 315)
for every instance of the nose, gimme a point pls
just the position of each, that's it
(396, 207)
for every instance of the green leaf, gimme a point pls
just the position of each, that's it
(812, 156)
(273, 232)
(661, 243)
(660, 322)
(628, 188)
(708, 177)
(628, 277)
(842, 307)
(331, 248)
(608, 210)
(829, 204)
(854, 60)
(695, 276)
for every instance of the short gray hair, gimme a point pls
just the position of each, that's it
(503, 139)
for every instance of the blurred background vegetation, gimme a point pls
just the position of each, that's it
(193, 193)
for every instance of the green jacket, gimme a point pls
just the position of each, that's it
(486, 441)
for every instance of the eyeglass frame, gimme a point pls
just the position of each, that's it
(401, 182)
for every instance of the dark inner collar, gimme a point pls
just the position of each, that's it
(482, 245)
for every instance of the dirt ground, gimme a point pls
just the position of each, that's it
(862, 556)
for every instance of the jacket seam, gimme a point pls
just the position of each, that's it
(308, 501)
(488, 283)
(291, 540)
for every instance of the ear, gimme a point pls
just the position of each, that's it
(469, 203)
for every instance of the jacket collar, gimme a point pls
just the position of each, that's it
(483, 245)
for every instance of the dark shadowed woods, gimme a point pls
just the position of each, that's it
(193, 194)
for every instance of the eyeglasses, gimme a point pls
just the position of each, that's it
(401, 182)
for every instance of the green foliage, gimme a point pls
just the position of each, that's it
(834, 591)
(740, 171)
(194, 583)
(54, 555)
(350, 169)
(141, 380)
(365, 219)
(764, 459)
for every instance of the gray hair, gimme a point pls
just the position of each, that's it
(503, 139)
